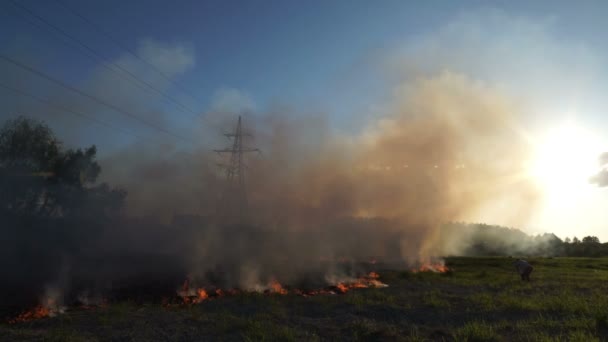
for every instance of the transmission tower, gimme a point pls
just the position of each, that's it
(233, 202)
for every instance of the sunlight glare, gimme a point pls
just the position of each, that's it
(564, 160)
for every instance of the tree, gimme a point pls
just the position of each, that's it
(39, 178)
(591, 240)
(27, 149)
(26, 144)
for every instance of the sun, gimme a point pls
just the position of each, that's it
(563, 161)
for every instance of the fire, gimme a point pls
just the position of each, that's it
(358, 285)
(190, 295)
(36, 313)
(49, 308)
(194, 295)
(342, 288)
(437, 267)
(370, 280)
(197, 295)
(276, 287)
(202, 295)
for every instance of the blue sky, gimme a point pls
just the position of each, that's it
(325, 55)
(340, 58)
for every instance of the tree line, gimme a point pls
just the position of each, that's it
(492, 240)
(40, 178)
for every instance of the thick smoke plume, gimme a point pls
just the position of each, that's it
(320, 203)
(448, 147)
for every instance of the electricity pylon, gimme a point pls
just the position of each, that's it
(233, 205)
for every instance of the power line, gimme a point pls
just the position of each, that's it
(233, 204)
(109, 65)
(66, 109)
(89, 96)
(109, 36)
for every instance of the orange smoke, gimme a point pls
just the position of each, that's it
(431, 159)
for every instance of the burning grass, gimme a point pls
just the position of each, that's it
(432, 266)
(188, 294)
(49, 307)
(196, 295)
(565, 301)
(36, 313)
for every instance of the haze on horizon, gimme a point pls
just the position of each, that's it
(477, 84)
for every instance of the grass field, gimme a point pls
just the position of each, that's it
(481, 299)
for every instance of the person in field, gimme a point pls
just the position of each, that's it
(523, 268)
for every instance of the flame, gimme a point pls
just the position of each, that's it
(370, 280)
(198, 295)
(49, 308)
(276, 287)
(358, 285)
(201, 295)
(342, 288)
(35, 313)
(437, 267)
(190, 295)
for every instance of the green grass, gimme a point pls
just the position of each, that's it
(482, 299)
(475, 331)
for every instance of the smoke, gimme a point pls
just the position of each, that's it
(601, 178)
(483, 239)
(446, 146)
(433, 160)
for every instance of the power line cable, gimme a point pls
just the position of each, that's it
(66, 109)
(89, 96)
(108, 64)
(110, 37)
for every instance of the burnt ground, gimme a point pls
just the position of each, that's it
(481, 299)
